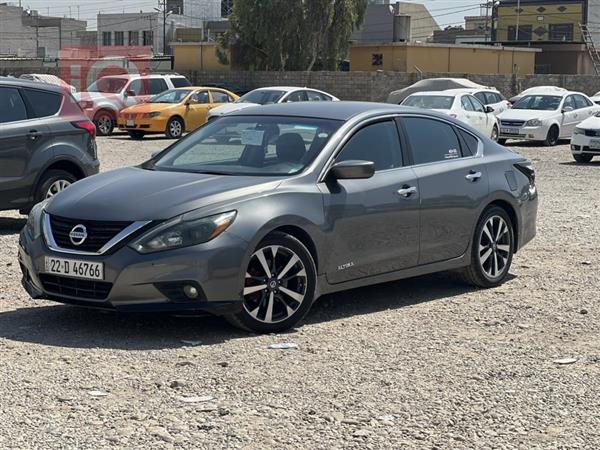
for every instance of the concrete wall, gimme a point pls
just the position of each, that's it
(368, 86)
(443, 58)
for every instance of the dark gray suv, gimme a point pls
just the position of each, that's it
(46, 143)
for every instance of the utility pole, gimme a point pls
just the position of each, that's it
(162, 9)
(518, 14)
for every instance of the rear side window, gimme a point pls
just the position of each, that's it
(157, 85)
(43, 103)
(431, 140)
(180, 82)
(12, 107)
(581, 102)
(298, 96)
(470, 143)
(490, 97)
(220, 97)
(378, 143)
(314, 96)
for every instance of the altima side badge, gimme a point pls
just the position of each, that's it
(346, 266)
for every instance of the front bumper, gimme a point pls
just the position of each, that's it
(157, 125)
(582, 144)
(145, 283)
(539, 133)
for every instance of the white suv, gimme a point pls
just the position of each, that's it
(106, 97)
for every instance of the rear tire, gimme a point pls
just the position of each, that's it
(492, 249)
(175, 128)
(137, 135)
(552, 137)
(583, 158)
(279, 287)
(105, 123)
(53, 182)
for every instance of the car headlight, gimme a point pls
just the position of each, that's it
(578, 131)
(183, 231)
(34, 221)
(152, 115)
(533, 123)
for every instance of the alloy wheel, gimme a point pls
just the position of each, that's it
(175, 128)
(57, 187)
(104, 124)
(494, 135)
(275, 284)
(494, 247)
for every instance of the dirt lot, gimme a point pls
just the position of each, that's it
(426, 363)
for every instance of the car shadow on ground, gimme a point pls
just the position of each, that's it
(10, 225)
(150, 137)
(535, 144)
(71, 327)
(592, 163)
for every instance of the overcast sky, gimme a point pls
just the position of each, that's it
(445, 12)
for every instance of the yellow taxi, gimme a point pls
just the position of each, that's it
(173, 112)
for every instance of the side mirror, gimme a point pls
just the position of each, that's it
(129, 93)
(567, 109)
(353, 170)
(192, 101)
(489, 109)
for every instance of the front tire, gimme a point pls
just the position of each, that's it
(279, 286)
(105, 123)
(175, 128)
(552, 136)
(583, 158)
(492, 249)
(52, 183)
(494, 135)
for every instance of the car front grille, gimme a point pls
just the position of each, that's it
(512, 123)
(73, 287)
(99, 233)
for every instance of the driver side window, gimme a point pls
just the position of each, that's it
(201, 97)
(569, 102)
(378, 142)
(477, 106)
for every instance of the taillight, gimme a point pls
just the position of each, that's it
(526, 168)
(87, 126)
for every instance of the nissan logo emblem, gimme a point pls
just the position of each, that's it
(78, 234)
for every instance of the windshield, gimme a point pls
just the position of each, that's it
(249, 145)
(538, 102)
(261, 97)
(172, 96)
(108, 85)
(430, 101)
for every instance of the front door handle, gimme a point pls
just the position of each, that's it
(34, 134)
(473, 176)
(407, 191)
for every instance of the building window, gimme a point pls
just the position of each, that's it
(561, 32)
(377, 59)
(226, 8)
(134, 38)
(106, 38)
(524, 33)
(119, 38)
(148, 38)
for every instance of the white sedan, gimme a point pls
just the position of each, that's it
(459, 104)
(596, 98)
(489, 97)
(545, 117)
(585, 143)
(270, 95)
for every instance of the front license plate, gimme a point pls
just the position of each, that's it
(75, 269)
(595, 144)
(130, 123)
(509, 130)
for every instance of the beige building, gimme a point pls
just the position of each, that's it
(419, 57)
(196, 56)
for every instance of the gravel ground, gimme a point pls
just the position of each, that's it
(426, 363)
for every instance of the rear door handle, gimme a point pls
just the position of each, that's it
(473, 176)
(407, 191)
(34, 134)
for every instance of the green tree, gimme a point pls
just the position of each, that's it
(291, 34)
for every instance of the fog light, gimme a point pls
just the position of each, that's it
(190, 292)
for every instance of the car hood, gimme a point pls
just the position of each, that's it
(230, 107)
(526, 114)
(133, 194)
(591, 123)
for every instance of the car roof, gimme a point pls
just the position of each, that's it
(19, 82)
(322, 110)
(553, 93)
(448, 93)
(470, 90)
(281, 88)
(130, 76)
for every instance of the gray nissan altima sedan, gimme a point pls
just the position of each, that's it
(257, 214)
